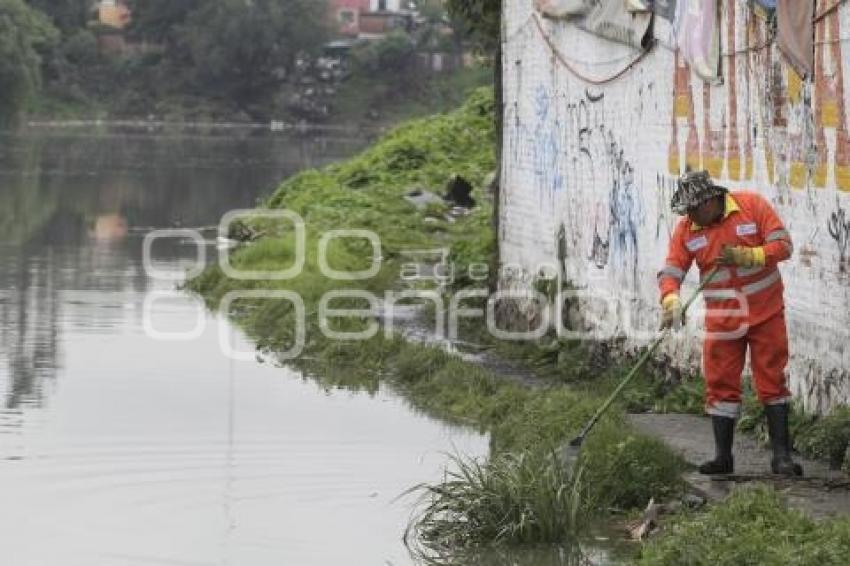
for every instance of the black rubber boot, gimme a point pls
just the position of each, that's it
(724, 434)
(780, 441)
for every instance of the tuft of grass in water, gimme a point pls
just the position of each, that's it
(753, 526)
(509, 499)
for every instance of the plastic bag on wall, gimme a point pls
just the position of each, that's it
(563, 8)
(611, 20)
(698, 36)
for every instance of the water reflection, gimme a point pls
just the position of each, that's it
(74, 208)
(28, 329)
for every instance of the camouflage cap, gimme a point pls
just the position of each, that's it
(693, 189)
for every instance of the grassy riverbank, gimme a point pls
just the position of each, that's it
(522, 494)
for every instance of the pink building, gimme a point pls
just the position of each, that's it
(345, 15)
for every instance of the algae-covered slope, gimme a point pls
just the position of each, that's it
(367, 193)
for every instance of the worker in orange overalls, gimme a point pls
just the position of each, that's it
(741, 235)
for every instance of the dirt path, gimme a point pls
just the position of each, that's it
(821, 493)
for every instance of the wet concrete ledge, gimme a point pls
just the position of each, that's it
(821, 493)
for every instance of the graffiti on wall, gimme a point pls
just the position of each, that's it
(830, 111)
(626, 211)
(547, 147)
(595, 153)
(795, 117)
(683, 108)
(541, 137)
(839, 229)
(724, 151)
(599, 247)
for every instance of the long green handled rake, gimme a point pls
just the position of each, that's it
(576, 442)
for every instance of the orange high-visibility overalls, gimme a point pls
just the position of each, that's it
(744, 306)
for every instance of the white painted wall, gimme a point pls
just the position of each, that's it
(598, 163)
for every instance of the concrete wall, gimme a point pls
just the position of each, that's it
(588, 172)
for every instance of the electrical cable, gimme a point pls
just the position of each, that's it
(594, 81)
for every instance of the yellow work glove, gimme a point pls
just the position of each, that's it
(671, 312)
(742, 256)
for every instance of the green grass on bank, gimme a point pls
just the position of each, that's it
(753, 526)
(365, 192)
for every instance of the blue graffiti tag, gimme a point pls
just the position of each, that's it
(536, 146)
(547, 147)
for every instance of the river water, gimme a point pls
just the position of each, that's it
(118, 447)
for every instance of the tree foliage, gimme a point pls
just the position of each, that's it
(67, 15)
(393, 54)
(196, 55)
(241, 48)
(160, 21)
(25, 33)
(481, 20)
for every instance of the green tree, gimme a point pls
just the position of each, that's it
(25, 33)
(395, 53)
(160, 21)
(480, 20)
(243, 49)
(67, 15)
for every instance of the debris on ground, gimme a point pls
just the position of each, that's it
(650, 522)
(459, 192)
(421, 198)
(238, 231)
